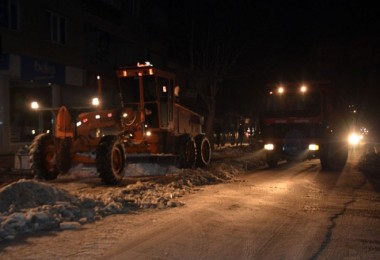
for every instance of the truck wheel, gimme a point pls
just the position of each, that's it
(42, 156)
(333, 156)
(64, 155)
(271, 160)
(233, 139)
(110, 159)
(223, 140)
(203, 151)
(187, 153)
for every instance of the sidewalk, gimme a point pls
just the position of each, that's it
(8, 172)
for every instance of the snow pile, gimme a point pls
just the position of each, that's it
(28, 206)
(231, 150)
(138, 169)
(131, 169)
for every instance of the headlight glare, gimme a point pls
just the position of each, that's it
(313, 147)
(354, 139)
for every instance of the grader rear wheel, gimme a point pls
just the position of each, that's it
(187, 153)
(203, 151)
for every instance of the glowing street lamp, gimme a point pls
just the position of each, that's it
(34, 105)
(95, 101)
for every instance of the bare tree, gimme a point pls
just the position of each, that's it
(218, 37)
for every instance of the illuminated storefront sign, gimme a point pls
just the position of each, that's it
(42, 71)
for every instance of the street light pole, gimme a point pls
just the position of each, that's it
(100, 92)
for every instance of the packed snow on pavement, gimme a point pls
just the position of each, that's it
(28, 206)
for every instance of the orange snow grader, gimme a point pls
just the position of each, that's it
(149, 122)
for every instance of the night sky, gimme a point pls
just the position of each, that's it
(289, 41)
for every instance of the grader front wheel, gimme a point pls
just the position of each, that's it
(110, 159)
(43, 157)
(64, 160)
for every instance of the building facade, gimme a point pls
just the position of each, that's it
(54, 51)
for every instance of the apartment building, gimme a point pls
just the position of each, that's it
(56, 52)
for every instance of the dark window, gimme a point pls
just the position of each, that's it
(57, 28)
(9, 14)
(151, 115)
(133, 7)
(294, 104)
(130, 89)
(150, 89)
(165, 90)
(62, 30)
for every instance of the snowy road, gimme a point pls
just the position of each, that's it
(292, 212)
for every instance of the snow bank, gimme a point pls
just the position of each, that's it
(28, 206)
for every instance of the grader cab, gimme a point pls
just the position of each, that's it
(148, 122)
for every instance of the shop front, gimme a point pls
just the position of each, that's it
(24, 80)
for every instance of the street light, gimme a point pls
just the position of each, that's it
(100, 95)
(95, 101)
(34, 105)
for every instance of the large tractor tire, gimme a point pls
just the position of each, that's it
(64, 160)
(43, 157)
(110, 159)
(187, 153)
(333, 156)
(203, 151)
